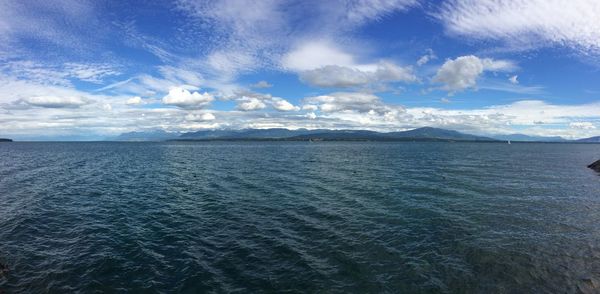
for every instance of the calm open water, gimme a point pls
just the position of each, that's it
(299, 217)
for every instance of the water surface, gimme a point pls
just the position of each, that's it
(299, 217)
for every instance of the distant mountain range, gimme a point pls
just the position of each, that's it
(420, 134)
(589, 140)
(527, 138)
(5, 140)
(155, 135)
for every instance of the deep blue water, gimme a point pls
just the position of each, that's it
(299, 217)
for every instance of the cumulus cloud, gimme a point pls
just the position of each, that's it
(185, 99)
(249, 101)
(137, 100)
(261, 85)
(526, 24)
(462, 73)
(283, 105)
(249, 104)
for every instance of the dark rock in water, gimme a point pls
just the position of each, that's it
(5, 140)
(3, 270)
(595, 166)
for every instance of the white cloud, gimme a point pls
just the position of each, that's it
(344, 101)
(514, 79)
(498, 65)
(584, 125)
(261, 85)
(93, 73)
(248, 101)
(137, 100)
(531, 117)
(206, 116)
(56, 101)
(463, 72)
(245, 34)
(349, 101)
(185, 99)
(181, 75)
(334, 76)
(227, 63)
(283, 105)
(60, 74)
(335, 110)
(310, 107)
(322, 64)
(389, 72)
(148, 85)
(249, 104)
(526, 24)
(311, 115)
(430, 55)
(63, 23)
(316, 54)
(363, 10)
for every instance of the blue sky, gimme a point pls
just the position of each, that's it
(93, 69)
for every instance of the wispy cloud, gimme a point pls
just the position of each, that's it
(59, 74)
(526, 24)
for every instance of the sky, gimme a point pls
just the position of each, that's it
(88, 70)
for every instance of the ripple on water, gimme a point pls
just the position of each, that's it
(297, 217)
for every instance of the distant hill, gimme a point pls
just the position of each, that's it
(527, 138)
(589, 140)
(421, 134)
(5, 140)
(157, 135)
(435, 133)
(341, 135)
(274, 133)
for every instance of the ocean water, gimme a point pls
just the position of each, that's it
(295, 217)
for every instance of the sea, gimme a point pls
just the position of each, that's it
(299, 217)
